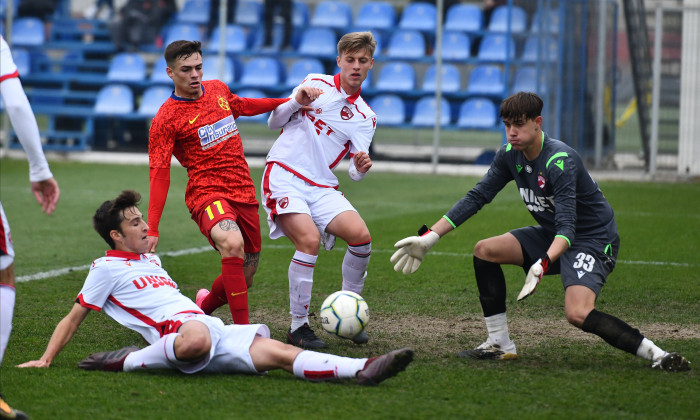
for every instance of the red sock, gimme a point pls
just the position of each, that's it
(216, 298)
(236, 288)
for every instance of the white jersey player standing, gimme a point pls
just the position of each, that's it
(299, 189)
(133, 289)
(43, 185)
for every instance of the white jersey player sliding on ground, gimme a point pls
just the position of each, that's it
(299, 189)
(133, 289)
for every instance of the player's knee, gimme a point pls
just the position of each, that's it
(193, 346)
(576, 316)
(309, 243)
(231, 247)
(482, 251)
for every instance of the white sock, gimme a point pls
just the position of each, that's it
(159, 355)
(355, 266)
(497, 326)
(650, 351)
(315, 366)
(301, 279)
(7, 306)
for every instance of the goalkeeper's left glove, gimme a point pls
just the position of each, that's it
(538, 269)
(412, 250)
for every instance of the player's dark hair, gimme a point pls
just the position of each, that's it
(181, 49)
(110, 214)
(521, 106)
(357, 41)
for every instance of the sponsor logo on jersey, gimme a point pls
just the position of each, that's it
(346, 113)
(536, 203)
(560, 164)
(284, 202)
(540, 181)
(213, 134)
(193, 119)
(153, 281)
(518, 167)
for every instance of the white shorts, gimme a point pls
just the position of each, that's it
(7, 64)
(230, 346)
(283, 192)
(7, 252)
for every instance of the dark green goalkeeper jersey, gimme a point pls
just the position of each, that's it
(556, 188)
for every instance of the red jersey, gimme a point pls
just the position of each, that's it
(202, 135)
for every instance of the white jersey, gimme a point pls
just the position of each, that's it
(7, 64)
(126, 285)
(313, 143)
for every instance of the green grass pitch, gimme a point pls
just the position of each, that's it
(561, 372)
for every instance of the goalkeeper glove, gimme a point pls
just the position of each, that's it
(412, 250)
(538, 269)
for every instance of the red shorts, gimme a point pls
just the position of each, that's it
(211, 212)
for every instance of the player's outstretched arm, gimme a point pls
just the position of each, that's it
(47, 194)
(412, 250)
(62, 334)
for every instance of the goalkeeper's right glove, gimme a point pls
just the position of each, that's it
(534, 275)
(412, 250)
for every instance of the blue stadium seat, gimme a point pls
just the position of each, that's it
(426, 109)
(28, 32)
(319, 42)
(546, 19)
(152, 99)
(419, 16)
(127, 67)
(300, 14)
(252, 93)
(525, 79)
(406, 44)
(486, 80)
(477, 113)
(464, 18)
(158, 73)
(235, 39)
(390, 109)
(332, 14)
(499, 19)
(114, 99)
(179, 31)
(301, 68)
(249, 12)
(542, 49)
(496, 47)
(23, 61)
(210, 65)
(450, 80)
(194, 11)
(376, 15)
(396, 77)
(456, 46)
(262, 72)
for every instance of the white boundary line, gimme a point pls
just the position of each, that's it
(61, 271)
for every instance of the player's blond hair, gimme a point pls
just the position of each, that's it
(357, 41)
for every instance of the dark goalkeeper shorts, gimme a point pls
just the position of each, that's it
(586, 263)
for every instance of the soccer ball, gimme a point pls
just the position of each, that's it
(344, 314)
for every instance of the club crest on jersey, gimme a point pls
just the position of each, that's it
(284, 202)
(318, 111)
(346, 113)
(223, 104)
(541, 181)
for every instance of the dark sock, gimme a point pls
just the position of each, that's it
(614, 331)
(492, 286)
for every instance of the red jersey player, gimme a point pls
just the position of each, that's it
(197, 125)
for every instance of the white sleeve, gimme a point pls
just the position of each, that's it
(353, 173)
(24, 124)
(281, 115)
